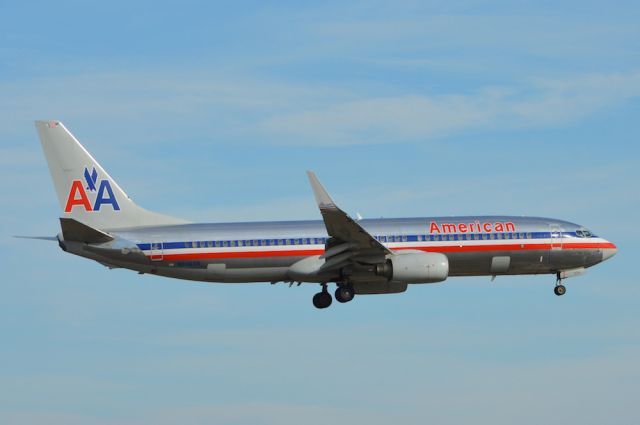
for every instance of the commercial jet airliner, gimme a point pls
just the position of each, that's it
(363, 256)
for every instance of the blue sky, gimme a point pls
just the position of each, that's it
(212, 111)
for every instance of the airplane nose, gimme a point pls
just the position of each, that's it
(609, 252)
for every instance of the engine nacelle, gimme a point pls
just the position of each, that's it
(415, 267)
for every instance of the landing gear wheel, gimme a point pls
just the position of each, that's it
(344, 294)
(322, 299)
(559, 290)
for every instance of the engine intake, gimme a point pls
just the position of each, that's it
(415, 267)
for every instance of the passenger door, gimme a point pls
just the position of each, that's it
(555, 247)
(157, 252)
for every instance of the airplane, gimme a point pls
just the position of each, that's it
(361, 256)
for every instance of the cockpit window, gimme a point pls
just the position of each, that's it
(584, 233)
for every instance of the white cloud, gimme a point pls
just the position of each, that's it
(419, 117)
(525, 33)
(158, 106)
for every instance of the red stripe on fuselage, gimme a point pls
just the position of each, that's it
(451, 248)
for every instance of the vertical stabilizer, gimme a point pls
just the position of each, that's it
(85, 191)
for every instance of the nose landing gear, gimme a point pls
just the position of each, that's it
(560, 288)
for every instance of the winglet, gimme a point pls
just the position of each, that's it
(322, 197)
(342, 227)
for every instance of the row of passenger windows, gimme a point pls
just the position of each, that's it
(383, 239)
(463, 237)
(256, 242)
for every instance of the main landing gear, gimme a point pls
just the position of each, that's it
(344, 294)
(323, 299)
(560, 288)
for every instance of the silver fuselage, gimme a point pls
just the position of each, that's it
(264, 251)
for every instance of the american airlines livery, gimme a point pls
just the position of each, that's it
(364, 256)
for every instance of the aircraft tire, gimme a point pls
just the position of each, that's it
(344, 294)
(560, 290)
(322, 300)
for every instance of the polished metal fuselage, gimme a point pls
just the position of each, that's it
(264, 251)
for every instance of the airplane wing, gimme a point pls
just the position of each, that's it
(349, 241)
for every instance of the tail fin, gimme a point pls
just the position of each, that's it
(85, 191)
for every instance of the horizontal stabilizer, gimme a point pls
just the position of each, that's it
(73, 230)
(42, 238)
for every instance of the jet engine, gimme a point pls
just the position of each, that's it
(415, 267)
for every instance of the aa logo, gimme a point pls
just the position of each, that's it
(78, 195)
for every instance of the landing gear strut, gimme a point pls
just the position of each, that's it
(559, 289)
(344, 294)
(322, 299)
